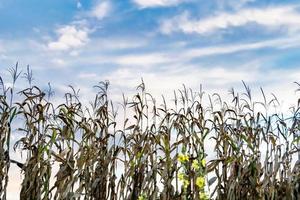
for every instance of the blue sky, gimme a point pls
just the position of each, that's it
(168, 43)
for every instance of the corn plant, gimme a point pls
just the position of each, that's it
(195, 146)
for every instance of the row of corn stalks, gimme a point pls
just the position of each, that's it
(140, 149)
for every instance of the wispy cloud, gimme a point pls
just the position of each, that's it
(272, 17)
(70, 37)
(186, 54)
(173, 77)
(223, 4)
(101, 10)
(76, 34)
(118, 43)
(157, 3)
(280, 43)
(78, 4)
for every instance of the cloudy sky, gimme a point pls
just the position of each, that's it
(216, 43)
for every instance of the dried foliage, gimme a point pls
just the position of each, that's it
(149, 151)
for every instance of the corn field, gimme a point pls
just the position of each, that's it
(139, 149)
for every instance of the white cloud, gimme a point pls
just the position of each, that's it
(273, 17)
(101, 10)
(157, 3)
(76, 34)
(70, 37)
